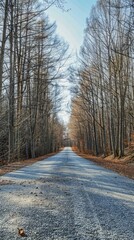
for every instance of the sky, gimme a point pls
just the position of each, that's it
(70, 26)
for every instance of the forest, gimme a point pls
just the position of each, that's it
(32, 57)
(32, 63)
(102, 115)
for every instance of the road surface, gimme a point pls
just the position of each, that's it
(66, 197)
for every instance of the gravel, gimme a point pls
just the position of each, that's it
(66, 197)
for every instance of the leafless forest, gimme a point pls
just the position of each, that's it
(102, 118)
(31, 59)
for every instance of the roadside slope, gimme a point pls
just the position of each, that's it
(124, 166)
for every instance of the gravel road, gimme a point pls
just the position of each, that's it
(66, 197)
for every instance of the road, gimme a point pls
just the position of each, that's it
(66, 197)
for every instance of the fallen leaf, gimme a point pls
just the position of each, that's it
(21, 232)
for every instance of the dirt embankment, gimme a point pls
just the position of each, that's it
(124, 166)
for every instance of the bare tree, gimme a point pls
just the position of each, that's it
(106, 78)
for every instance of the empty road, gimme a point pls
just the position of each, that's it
(66, 197)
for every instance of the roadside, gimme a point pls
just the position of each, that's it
(22, 163)
(123, 166)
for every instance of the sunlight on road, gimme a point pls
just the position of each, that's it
(69, 192)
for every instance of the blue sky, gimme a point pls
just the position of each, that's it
(71, 24)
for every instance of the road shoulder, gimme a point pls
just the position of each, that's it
(22, 163)
(125, 168)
